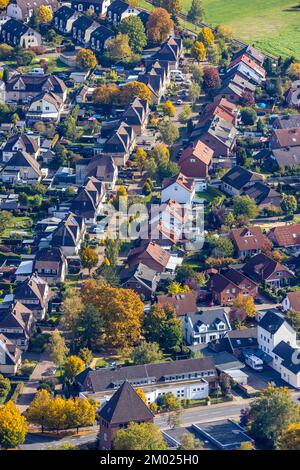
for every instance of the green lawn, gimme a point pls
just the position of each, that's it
(18, 224)
(272, 25)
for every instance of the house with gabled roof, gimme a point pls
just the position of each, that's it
(183, 303)
(196, 160)
(64, 18)
(170, 52)
(221, 107)
(205, 326)
(249, 68)
(120, 144)
(237, 179)
(99, 38)
(24, 87)
(227, 285)
(281, 138)
(248, 241)
(88, 201)
(179, 188)
(45, 107)
(17, 323)
(157, 78)
(291, 302)
(154, 256)
(24, 9)
(263, 195)
(123, 408)
(34, 293)
(136, 115)
(82, 29)
(262, 268)
(101, 167)
(285, 157)
(51, 265)
(98, 7)
(285, 235)
(234, 87)
(28, 143)
(22, 168)
(142, 279)
(252, 53)
(10, 356)
(118, 10)
(68, 235)
(15, 33)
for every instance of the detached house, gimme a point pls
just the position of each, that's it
(98, 7)
(229, 284)
(101, 167)
(263, 195)
(237, 179)
(249, 68)
(278, 341)
(248, 241)
(196, 160)
(179, 188)
(21, 142)
(24, 9)
(17, 324)
(205, 326)
(34, 293)
(285, 138)
(142, 279)
(118, 10)
(51, 265)
(88, 201)
(154, 256)
(25, 87)
(69, 234)
(15, 33)
(21, 169)
(45, 107)
(285, 236)
(218, 134)
(291, 302)
(262, 268)
(10, 356)
(183, 304)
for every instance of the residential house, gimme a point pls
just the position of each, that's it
(17, 323)
(293, 96)
(154, 256)
(237, 342)
(218, 134)
(24, 9)
(252, 53)
(229, 284)
(185, 379)
(88, 201)
(45, 107)
(25, 87)
(69, 234)
(278, 340)
(123, 408)
(170, 52)
(10, 356)
(263, 195)
(63, 19)
(120, 144)
(21, 169)
(205, 326)
(291, 302)
(15, 33)
(82, 28)
(237, 179)
(285, 236)
(183, 303)
(249, 68)
(286, 157)
(157, 78)
(221, 107)
(28, 143)
(136, 115)
(248, 241)
(118, 10)
(140, 278)
(51, 265)
(99, 38)
(281, 138)
(179, 188)
(234, 87)
(286, 121)
(34, 293)
(196, 160)
(97, 7)
(101, 167)
(262, 268)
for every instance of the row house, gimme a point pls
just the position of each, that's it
(118, 10)
(82, 28)
(88, 201)
(101, 167)
(99, 38)
(249, 68)
(157, 79)
(137, 115)
(68, 235)
(29, 143)
(96, 7)
(120, 144)
(170, 52)
(235, 87)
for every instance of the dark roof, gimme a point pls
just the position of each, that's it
(125, 406)
(27, 5)
(285, 352)
(260, 191)
(118, 7)
(261, 267)
(22, 160)
(238, 177)
(243, 338)
(49, 254)
(103, 379)
(14, 27)
(82, 22)
(64, 13)
(211, 318)
(271, 321)
(102, 34)
(37, 83)
(29, 143)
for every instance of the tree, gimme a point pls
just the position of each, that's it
(6, 51)
(247, 445)
(38, 410)
(271, 413)
(3, 4)
(4, 386)
(194, 91)
(86, 355)
(196, 12)
(169, 108)
(122, 312)
(224, 32)
(169, 132)
(118, 48)
(162, 326)
(73, 366)
(147, 353)
(140, 158)
(13, 426)
(244, 205)
(135, 89)
(176, 288)
(134, 28)
(5, 76)
(86, 59)
(142, 395)
(89, 258)
(288, 204)
(206, 36)
(242, 307)
(44, 14)
(159, 25)
(89, 327)
(221, 246)
(58, 348)
(247, 98)
(112, 247)
(211, 77)
(106, 94)
(294, 71)
(71, 307)
(189, 442)
(172, 6)
(290, 438)
(5, 219)
(198, 51)
(145, 436)
(248, 116)
(293, 318)
(185, 114)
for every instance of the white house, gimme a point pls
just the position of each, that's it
(291, 302)
(10, 356)
(45, 107)
(179, 188)
(205, 326)
(277, 339)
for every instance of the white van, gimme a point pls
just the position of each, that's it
(176, 75)
(254, 362)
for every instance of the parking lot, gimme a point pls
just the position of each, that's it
(260, 380)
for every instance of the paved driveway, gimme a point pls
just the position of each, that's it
(260, 380)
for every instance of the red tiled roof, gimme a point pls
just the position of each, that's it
(250, 238)
(198, 150)
(294, 298)
(288, 235)
(182, 303)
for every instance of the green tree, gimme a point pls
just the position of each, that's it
(288, 204)
(134, 28)
(248, 116)
(245, 206)
(13, 426)
(147, 353)
(189, 442)
(185, 114)
(145, 436)
(221, 246)
(271, 413)
(5, 220)
(86, 355)
(162, 326)
(196, 12)
(169, 132)
(58, 349)
(89, 327)
(194, 91)
(4, 386)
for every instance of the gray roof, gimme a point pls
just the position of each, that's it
(238, 177)
(210, 318)
(285, 352)
(271, 321)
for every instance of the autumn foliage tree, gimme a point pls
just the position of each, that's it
(198, 51)
(145, 436)
(86, 59)
(73, 366)
(106, 94)
(242, 307)
(3, 4)
(89, 258)
(211, 77)
(159, 25)
(44, 14)
(206, 36)
(135, 89)
(168, 108)
(13, 426)
(118, 48)
(290, 438)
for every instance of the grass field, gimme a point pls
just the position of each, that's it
(272, 25)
